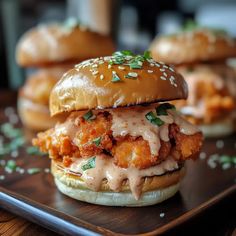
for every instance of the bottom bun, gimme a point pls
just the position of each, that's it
(35, 116)
(118, 198)
(218, 129)
(155, 189)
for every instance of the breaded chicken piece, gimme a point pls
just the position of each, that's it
(95, 137)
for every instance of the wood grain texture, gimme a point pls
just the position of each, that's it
(12, 225)
(36, 198)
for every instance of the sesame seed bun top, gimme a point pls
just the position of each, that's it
(119, 80)
(193, 46)
(60, 43)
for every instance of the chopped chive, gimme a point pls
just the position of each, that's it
(32, 171)
(11, 165)
(161, 110)
(115, 77)
(150, 116)
(89, 115)
(97, 141)
(90, 164)
(147, 55)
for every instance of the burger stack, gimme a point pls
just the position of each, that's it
(200, 56)
(122, 143)
(52, 49)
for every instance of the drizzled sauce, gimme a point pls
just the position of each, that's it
(127, 121)
(106, 169)
(132, 121)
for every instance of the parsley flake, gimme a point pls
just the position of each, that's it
(150, 116)
(161, 110)
(97, 141)
(89, 115)
(90, 164)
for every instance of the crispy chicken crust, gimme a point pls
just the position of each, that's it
(127, 151)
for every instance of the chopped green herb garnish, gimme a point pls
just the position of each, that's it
(89, 115)
(9, 131)
(190, 25)
(11, 165)
(150, 116)
(123, 53)
(34, 151)
(32, 171)
(161, 110)
(115, 77)
(97, 141)
(90, 164)
(147, 55)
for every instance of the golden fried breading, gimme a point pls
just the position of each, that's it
(95, 137)
(90, 131)
(185, 146)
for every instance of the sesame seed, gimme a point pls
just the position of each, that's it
(212, 161)
(202, 155)
(46, 170)
(151, 64)
(226, 166)
(94, 65)
(95, 72)
(170, 68)
(140, 63)
(101, 77)
(219, 144)
(165, 74)
(162, 70)
(128, 58)
(2, 177)
(14, 153)
(133, 74)
(162, 214)
(158, 65)
(163, 78)
(150, 71)
(101, 62)
(109, 66)
(121, 67)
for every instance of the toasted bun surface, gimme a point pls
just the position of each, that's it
(193, 46)
(156, 189)
(93, 84)
(55, 43)
(35, 116)
(38, 85)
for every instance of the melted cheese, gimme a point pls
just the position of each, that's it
(106, 169)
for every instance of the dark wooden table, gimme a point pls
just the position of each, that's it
(217, 220)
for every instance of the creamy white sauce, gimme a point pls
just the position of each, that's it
(126, 121)
(106, 169)
(132, 121)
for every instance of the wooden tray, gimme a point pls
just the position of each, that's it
(36, 198)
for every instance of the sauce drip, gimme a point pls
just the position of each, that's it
(106, 169)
